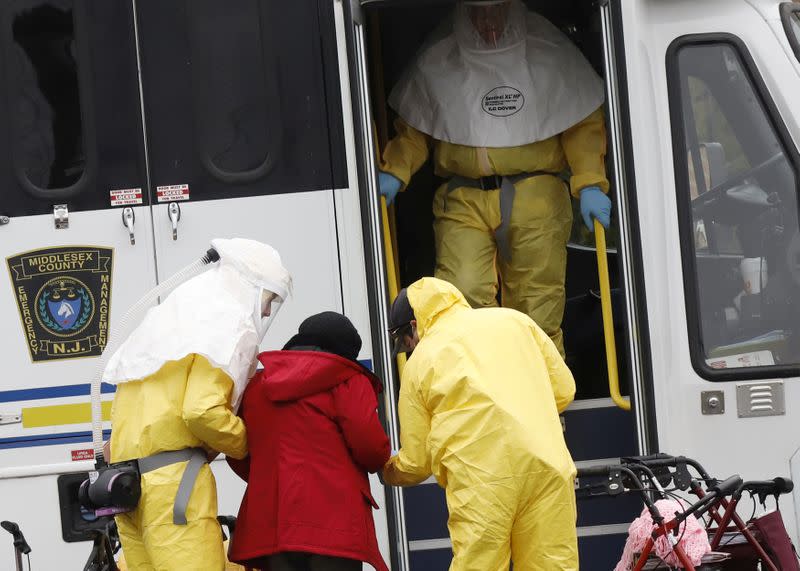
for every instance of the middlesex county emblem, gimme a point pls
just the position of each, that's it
(63, 296)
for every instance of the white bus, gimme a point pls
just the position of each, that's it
(132, 132)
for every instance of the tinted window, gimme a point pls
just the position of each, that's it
(242, 99)
(70, 115)
(234, 77)
(44, 93)
(737, 183)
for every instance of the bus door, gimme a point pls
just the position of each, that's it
(244, 138)
(386, 36)
(242, 109)
(242, 129)
(75, 232)
(715, 95)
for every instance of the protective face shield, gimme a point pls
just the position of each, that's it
(268, 304)
(488, 25)
(260, 266)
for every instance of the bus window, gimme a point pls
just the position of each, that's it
(236, 106)
(737, 183)
(790, 14)
(44, 95)
(237, 102)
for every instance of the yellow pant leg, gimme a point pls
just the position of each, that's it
(169, 547)
(544, 536)
(480, 526)
(196, 546)
(137, 547)
(464, 225)
(533, 280)
(134, 554)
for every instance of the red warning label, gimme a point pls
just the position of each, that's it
(79, 455)
(172, 193)
(126, 196)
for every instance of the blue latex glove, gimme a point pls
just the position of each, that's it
(595, 204)
(389, 186)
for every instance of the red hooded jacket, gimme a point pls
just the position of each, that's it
(314, 433)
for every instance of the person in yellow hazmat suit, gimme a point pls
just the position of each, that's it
(509, 106)
(479, 402)
(180, 376)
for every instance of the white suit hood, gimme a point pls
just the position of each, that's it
(521, 93)
(214, 315)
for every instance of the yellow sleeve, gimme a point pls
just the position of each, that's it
(207, 411)
(406, 153)
(585, 147)
(561, 378)
(412, 464)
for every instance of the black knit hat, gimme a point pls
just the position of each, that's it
(330, 331)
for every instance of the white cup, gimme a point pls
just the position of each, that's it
(751, 268)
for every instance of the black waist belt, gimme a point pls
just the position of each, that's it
(507, 191)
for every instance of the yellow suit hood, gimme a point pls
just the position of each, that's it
(430, 298)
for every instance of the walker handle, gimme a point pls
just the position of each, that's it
(728, 486)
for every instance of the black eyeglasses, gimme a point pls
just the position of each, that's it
(398, 332)
(398, 335)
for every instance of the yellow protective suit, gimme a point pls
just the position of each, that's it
(541, 219)
(479, 404)
(186, 404)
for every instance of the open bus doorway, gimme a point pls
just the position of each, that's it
(396, 35)
(595, 429)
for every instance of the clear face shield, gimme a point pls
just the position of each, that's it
(489, 24)
(268, 305)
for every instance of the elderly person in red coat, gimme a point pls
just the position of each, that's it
(314, 434)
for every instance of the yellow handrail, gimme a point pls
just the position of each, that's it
(608, 318)
(389, 244)
(391, 268)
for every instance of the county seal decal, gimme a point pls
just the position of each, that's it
(63, 296)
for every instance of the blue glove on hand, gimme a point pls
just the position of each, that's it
(595, 204)
(389, 186)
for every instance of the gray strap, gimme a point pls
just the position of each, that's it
(186, 487)
(196, 458)
(156, 461)
(501, 234)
